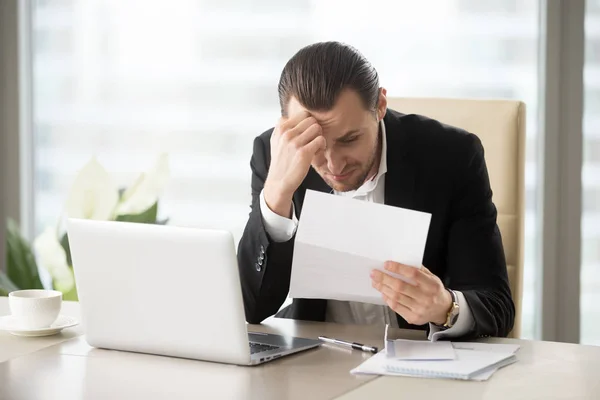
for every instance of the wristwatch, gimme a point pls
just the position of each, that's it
(453, 312)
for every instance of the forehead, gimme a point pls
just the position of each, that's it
(347, 114)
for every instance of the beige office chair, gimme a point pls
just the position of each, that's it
(500, 124)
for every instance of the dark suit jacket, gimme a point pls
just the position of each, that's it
(433, 168)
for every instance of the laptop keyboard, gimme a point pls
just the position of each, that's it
(259, 347)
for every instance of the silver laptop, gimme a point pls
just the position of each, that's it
(166, 290)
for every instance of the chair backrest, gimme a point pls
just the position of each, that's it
(500, 124)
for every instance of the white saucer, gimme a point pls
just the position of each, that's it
(9, 324)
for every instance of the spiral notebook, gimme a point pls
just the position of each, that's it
(466, 365)
(478, 366)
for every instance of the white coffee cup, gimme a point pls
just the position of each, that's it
(35, 308)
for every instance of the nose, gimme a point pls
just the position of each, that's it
(335, 162)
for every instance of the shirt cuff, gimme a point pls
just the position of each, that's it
(464, 324)
(280, 229)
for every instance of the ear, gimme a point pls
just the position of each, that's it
(381, 104)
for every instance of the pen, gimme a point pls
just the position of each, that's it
(357, 346)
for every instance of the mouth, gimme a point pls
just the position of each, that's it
(339, 178)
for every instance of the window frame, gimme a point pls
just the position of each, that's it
(562, 42)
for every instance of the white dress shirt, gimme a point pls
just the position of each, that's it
(282, 229)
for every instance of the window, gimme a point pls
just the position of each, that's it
(126, 80)
(590, 224)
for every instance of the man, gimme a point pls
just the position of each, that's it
(336, 135)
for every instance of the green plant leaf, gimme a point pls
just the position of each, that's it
(6, 285)
(21, 267)
(70, 295)
(146, 217)
(64, 242)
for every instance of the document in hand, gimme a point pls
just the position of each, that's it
(340, 240)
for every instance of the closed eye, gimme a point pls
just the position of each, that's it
(348, 140)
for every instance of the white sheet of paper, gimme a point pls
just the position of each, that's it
(340, 240)
(403, 349)
(491, 347)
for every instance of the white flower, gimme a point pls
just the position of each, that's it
(94, 194)
(145, 191)
(52, 256)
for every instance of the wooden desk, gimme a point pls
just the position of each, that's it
(73, 370)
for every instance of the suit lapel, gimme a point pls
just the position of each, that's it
(400, 185)
(400, 175)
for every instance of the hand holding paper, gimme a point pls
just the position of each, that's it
(339, 242)
(419, 298)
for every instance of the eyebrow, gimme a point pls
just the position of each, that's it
(347, 135)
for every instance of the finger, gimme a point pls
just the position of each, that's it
(291, 122)
(309, 134)
(421, 277)
(406, 301)
(398, 286)
(406, 271)
(402, 310)
(301, 127)
(381, 275)
(313, 147)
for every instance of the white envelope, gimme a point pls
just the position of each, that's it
(340, 240)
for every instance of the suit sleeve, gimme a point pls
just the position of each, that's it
(476, 262)
(264, 265)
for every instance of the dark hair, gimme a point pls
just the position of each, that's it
(318, 73)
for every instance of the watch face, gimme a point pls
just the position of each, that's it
(454, 319)
(454, 314)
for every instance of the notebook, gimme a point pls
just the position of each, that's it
(466, 365)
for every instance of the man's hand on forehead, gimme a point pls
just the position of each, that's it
(294, 142)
